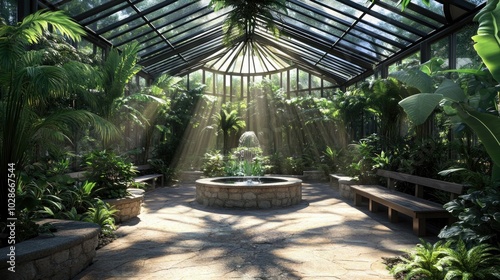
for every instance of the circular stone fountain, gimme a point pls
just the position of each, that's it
(249, 192)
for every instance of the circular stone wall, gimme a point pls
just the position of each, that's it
(228, 192)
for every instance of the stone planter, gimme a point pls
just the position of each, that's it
(59, 256)
(345, 188)
(128, 207)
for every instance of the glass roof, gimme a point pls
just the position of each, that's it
(337, 40)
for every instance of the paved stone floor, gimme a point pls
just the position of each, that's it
(324, 237)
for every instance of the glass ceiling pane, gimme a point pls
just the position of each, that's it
(383, 25)
(341, 38)
(404, 20)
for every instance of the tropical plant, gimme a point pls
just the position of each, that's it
(111, 173)
(25, 84)
(213, 164)
(245, 14)
(101, 214)
(449, 260)
(486, 126)
(228, 121)
(478, 214)
(479, 262)
(423, 261)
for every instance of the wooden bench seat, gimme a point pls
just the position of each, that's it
(147, 177)
(416, 207)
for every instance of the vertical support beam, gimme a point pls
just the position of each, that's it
(390, 183)
(419, 191)
(452, 51)
(372, 205)
(419, 226)
(393, 215)
(288, 84)
(425, 52)
(357, 199)
(25, 8)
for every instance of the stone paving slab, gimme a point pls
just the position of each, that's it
(324, 237)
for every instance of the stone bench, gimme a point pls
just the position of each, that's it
(59, 256)
(414, 206)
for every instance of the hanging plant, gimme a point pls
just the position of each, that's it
(242, 19)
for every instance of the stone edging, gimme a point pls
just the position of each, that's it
(62, 255)
(128, 207)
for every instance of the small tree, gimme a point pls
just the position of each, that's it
(229, 121)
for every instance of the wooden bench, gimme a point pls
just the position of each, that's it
(414, 206)
(147, 177)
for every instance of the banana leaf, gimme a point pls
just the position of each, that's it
(414, 78)
(487, 128)
(419, 106)
(487, 40)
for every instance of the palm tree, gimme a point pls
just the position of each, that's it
(27, 84)
(242, 19)
(229, 121)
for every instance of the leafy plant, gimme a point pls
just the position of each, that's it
(213, 164)
(449, 260)
(479, 262)
(102, 214)
(478, 214)
(423, 261)
(228, 121)
(111, 173)
(29, 84)
(244, 15)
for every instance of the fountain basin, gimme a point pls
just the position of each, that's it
(235, 192)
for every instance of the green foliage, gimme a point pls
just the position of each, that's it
(449, 260)
(238, 164)
(244, 15)
(213, 164)
(28, 84)
(487, 40)
(101, 214)
(478, 214)
(479, 262)
(229, 121)
(161, 167)
(111, 173)
(459, 106)
(423, 261)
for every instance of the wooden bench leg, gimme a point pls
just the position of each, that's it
(357, 199)
(393, 215)
(372, 206)
(419, 226)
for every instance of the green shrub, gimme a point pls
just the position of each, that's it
(213, 164)
(449, 261)
(111, 173)
(101, 214)
(478, 214)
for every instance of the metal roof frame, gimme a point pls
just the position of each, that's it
(337, 40)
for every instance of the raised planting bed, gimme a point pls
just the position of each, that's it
(61, 255)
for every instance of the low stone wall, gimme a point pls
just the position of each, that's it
(345, 188)
(250, 197)
(59, 256)
(128, 207)
(190, 176)
(313, 175)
